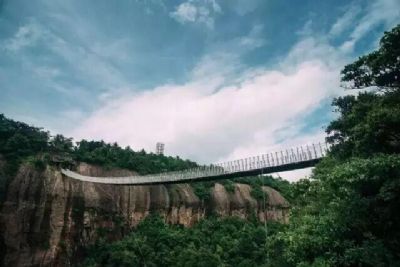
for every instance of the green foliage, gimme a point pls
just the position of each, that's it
(380, 68)
(211, 242)
(368, 123)
(17, 142)
(229, 186)
(99, 152)
(202, 190)
(18, 139)
(39, 164)
(20, 142)
(60, 144)
(353, 218)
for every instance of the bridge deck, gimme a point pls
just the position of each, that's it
(289, 160)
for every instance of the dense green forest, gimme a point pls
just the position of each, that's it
(346, 214)
(19, 141)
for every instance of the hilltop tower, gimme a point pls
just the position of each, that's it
(160, 148)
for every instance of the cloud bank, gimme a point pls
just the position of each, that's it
(208, 119)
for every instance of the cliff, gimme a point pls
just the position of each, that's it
(47, 218)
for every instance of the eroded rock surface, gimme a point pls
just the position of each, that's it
(47, 217)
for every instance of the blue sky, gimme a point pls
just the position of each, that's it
(212, 79)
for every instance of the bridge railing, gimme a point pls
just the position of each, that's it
(283, 157)
(279, 158)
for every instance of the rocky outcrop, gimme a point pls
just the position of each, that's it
(240, 203)
(47, 217)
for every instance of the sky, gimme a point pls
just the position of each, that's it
(214, 80)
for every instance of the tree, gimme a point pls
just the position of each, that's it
(380, 68)
(353, 220)
(59, 143)
(348, 215)
(370, 122)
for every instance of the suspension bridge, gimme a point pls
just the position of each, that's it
(284, 160)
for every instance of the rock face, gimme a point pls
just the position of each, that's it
(47, 218)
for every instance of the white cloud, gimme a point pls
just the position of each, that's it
(26, 35)
(386, 12)
(209, 119)
(185, 12)
(306, 30)
(197, 11)
(345, 22)
(313, 49)
(253, 39)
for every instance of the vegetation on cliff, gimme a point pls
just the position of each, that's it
(21, 142)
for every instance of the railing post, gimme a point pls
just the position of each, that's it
(309, 153)
(320, 148)
(302, 154)
(294, 159)
(326, 147)
(315, 151)
(298, 154)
